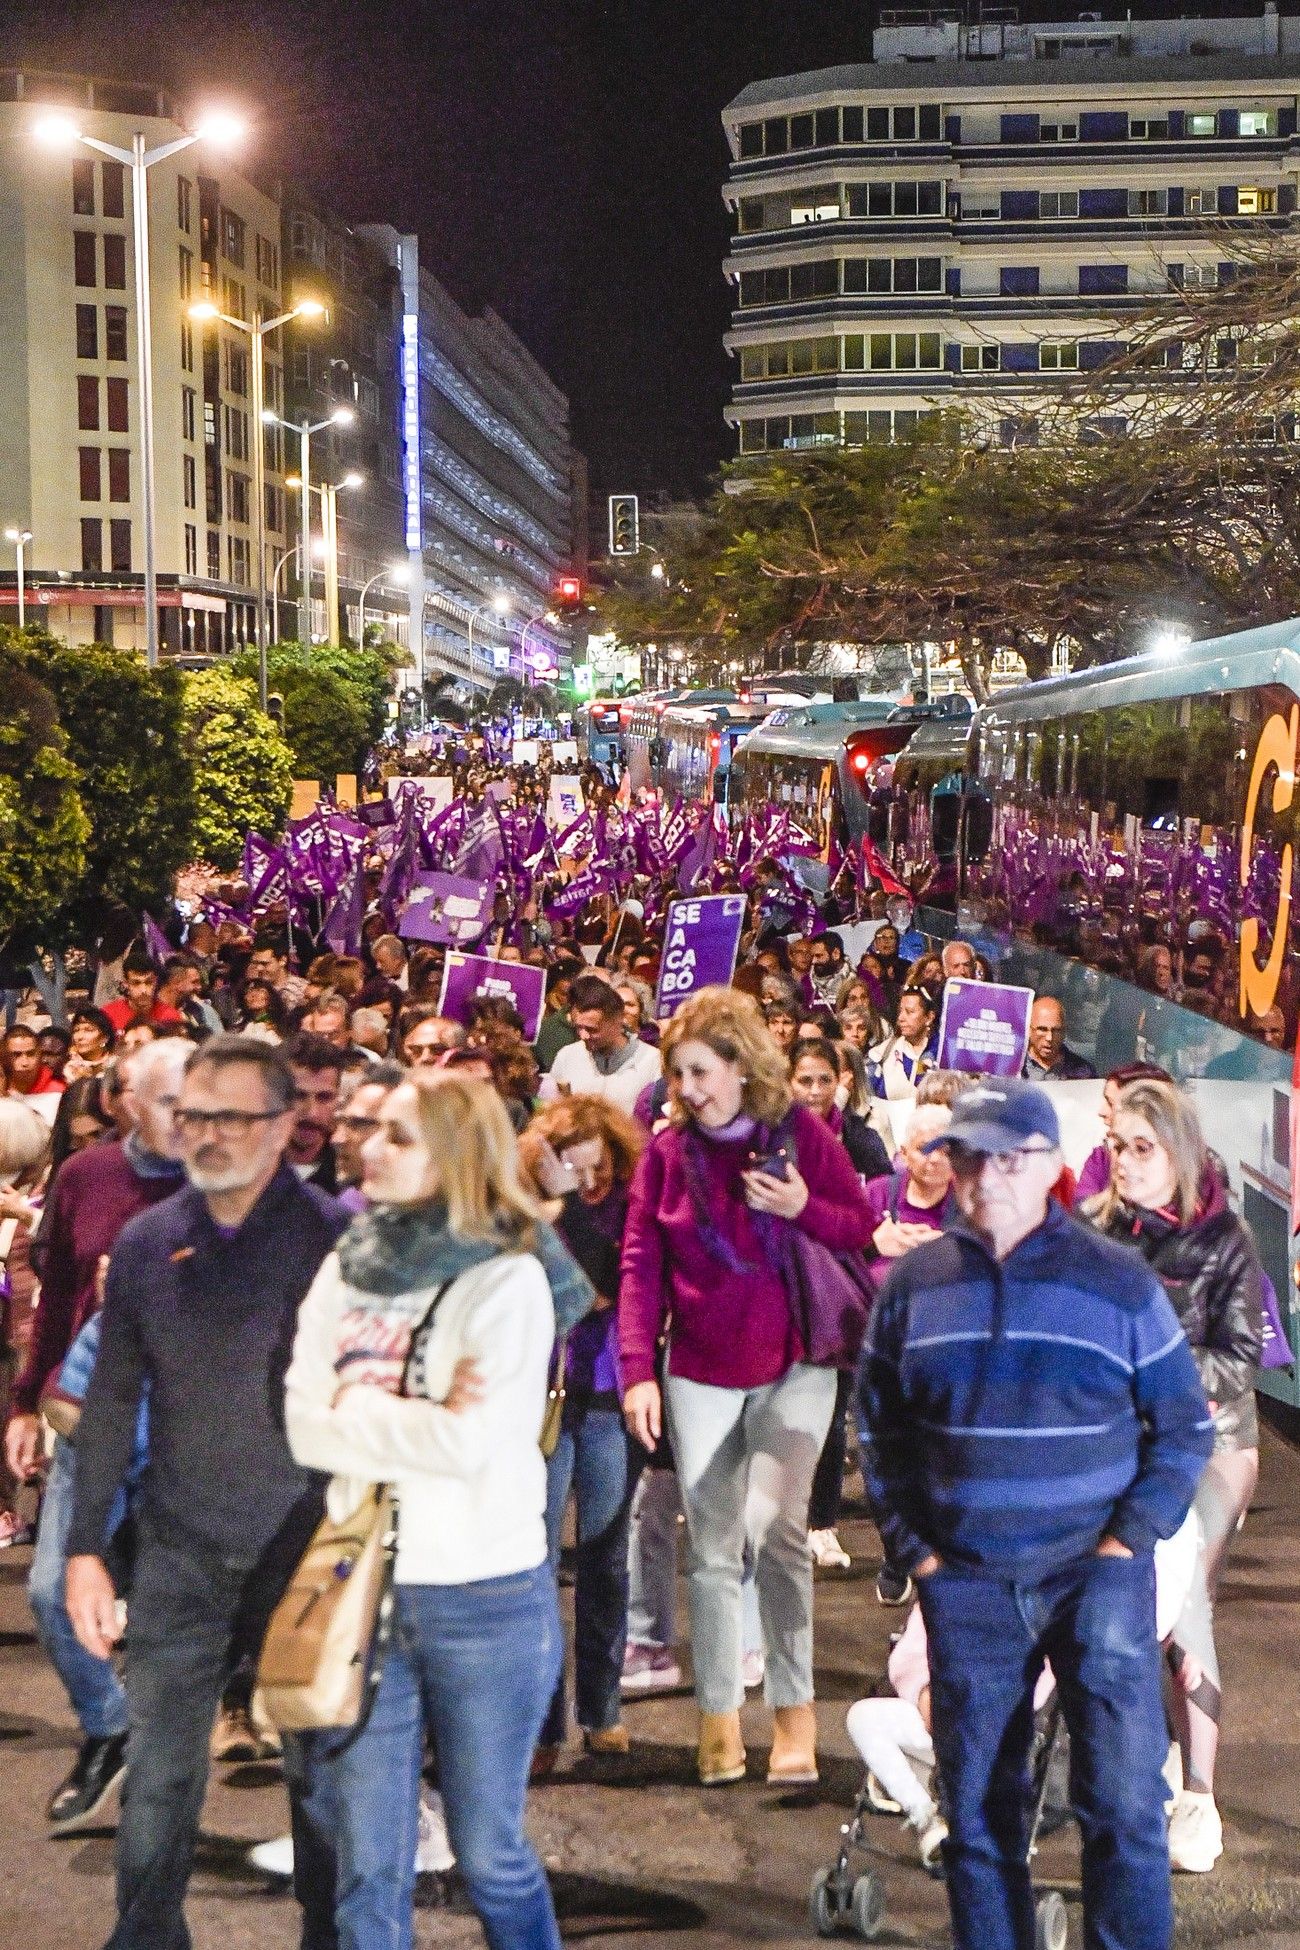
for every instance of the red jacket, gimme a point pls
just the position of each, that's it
(122, 1015)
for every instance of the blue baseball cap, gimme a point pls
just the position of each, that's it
(1000, 1114)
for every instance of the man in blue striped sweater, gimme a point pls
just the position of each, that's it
(1032, 1423)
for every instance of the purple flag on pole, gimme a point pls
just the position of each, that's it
(157, 946)
(446, 908)
(467, 978)
(342, 929)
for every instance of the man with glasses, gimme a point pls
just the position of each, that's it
(357, 1120)
(200, 1306)
(1032, 1423)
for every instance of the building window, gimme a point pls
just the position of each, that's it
(1202, 125)
(115, 331)
(232, 238)
(980, 206)
(184, 204)
(817, 206)
(187, 412)
(118, 407)
(1148, 203)
(236, 433)
(189, 481)
(1202, 202)
(119, 474)
(83, 188)
(90, 486)
(92, 544)
(232, 298)
(1197, 277)
(187, 346)
(268, 263)
(1258, 121)
(87, 403)
(893, 274)
(237, 497)
(1102, 280)
(1148, 128)
(119, 546)
(1256, 203)
(83, 258)
(1058, 355)
(274, 519)
(236, 371)
(114, 189)
(185, 259)
(115, 262)
(981, 358)
(1058, 203)
(214, 554)
(1058, 131)
(749, 214)
(87, 332)
(191, 549)
(238, 553)
(895, 199)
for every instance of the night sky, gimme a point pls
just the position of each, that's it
(562, 162)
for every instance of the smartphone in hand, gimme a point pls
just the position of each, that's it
(775, 1161)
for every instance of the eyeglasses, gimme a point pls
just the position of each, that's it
(1141, 1147)
(1006, 1164)
(230, 1124)
(356, 1124)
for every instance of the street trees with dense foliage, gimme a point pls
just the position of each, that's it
(43, 825)
(243, 769)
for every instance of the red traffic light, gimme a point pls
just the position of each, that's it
(569, 589)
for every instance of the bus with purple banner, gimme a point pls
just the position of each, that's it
(1125, 839)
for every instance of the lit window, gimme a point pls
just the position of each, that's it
(1202, 125)
(1258, 121)
(814, 212)
(1256, 202)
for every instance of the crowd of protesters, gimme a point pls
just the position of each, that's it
(269, 1217)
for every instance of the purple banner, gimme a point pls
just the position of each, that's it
(466, 979)
(446, 908)
(700, 945)
(984, 1028)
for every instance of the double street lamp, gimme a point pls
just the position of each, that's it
(20, 538)
(61, 132)
(257, 332)
(329, 495)
(399, 572)
(500, 606)
(342, 416)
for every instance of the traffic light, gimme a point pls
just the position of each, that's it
(275, 709)
(568, 592)
(624, 525)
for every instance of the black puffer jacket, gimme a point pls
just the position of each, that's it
(1210, 1270)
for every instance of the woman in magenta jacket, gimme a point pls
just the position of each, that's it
(746, 1413)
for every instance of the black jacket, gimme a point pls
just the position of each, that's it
(1210, 1270)
(865, 1147)
(1069, 1069)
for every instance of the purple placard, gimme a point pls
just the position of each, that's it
(467, 978)
(700, 946)
(984, 1028)
(446, 908)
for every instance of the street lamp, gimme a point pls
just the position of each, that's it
(20, 538)
(400, 572)
(500, 603)
(342, 416)
(61, 132)
(329, 494)
(289, 554)
(258, 332)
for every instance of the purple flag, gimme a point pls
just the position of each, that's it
(700, 945)
(157, 946)
(446, 908)
(466, 979)
(342, 929)
(697, 865)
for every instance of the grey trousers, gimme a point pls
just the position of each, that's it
(745, 1463)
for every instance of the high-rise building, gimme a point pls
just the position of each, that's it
(70, 437)
(487, 484)
(987, 206)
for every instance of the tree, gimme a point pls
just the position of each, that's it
(125, 733)
(368, 674)
(43, 825)
(243, 769)
(324, 723)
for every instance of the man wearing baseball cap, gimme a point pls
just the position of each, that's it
(1032, 1422)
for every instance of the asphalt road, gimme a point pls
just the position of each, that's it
(641, 1855)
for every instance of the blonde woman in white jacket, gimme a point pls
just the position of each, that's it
(476, 1646)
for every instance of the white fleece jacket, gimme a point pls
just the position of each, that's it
(471, 1486)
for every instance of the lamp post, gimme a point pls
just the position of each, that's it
(400, 572)
(500, 604)
(329, 552)
(20, 538)
(289, 554)
(258, 332)
(60, 131)
(542, 615)
(342, 416)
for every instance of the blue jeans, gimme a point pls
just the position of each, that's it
(471, 1665)
(596, 1459)
(1094, 1622)
(92, 1685)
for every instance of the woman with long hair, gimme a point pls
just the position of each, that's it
(442, 1282)
(716, 1202)
(1167, 1199)
(584, 1151)
(1095, 1172)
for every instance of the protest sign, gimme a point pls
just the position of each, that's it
(984, 1028)
(564, 751)
(446, 908)
(565, 802)
(700, 945)
(466, 979)
(524, 752)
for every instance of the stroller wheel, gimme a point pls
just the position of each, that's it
(868, 1907)
(1051, 1922)
(824, 1904)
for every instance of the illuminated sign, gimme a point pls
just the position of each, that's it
(1275, 752)
(411, 424)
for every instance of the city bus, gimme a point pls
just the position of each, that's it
(1107, 829)
(598, 730)
(696, 745)
(640, 719)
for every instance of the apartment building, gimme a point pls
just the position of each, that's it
(983, 207)
(70, 469)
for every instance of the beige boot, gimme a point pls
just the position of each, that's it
(722, 1751)
(793, 1760)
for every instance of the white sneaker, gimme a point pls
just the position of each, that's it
(1173, 1773)
(273, 1859)
(434, 1854)
(1195, 1834)
(930, 1836)
(828, 1553)
(884, 1804)
(753, 1670)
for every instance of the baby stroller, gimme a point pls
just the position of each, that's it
(842, 1900)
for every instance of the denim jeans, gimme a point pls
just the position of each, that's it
(652, 1568)
(1094, 1622)
(91, 1684)
(745, 1463)
(598, 1460)
(472, 1666)
(193, 1616)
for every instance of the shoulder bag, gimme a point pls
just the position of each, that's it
(322, 1656)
